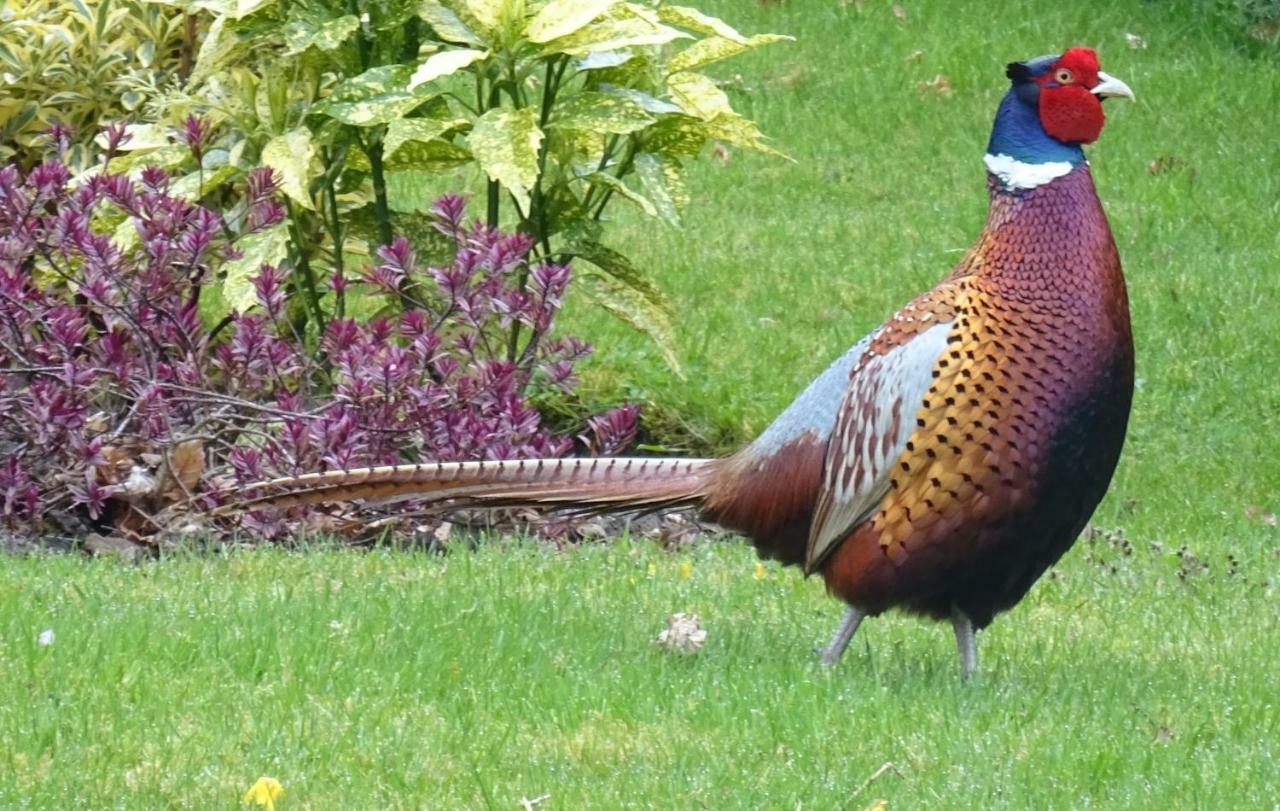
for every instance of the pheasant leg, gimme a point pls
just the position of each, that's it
(964, 641)
(840, 640)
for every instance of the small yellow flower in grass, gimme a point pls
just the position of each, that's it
(760, 573)
(653, 568)
(686, 570)
(264, 793)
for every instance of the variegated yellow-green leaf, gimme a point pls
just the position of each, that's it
(648, 103)
(505, 143)
(300, 35)
(404, 130)
(491, 14)
(624, 292)
(713, 49)
(734, 129)
(218, 46)
(141, 136)
(434, 156)
(376, 96)
(660, 177)
(698, 95)
(601, 112)
(560, 18)
(193, 185)
(235, 9)
(267, 247)
(612, 34)
(447, 25)
(291, 156)
(695, 20)
(646, 205)
(125, 235)
(444, 63)
(619, 267)
(600, 60)
(677, 136)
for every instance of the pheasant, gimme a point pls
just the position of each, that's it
(948, 459)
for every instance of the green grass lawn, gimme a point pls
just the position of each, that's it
(397, 680)
(473, 680)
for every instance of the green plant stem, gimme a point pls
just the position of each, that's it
(605, 157)
(338, 237)
(310, 290)
(363, 49)
(624, 169)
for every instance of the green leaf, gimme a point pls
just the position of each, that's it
(444, 63)
(490, 14)
(233, 9)
(291, 155)
(676, 136)
(601, 112)
(220, 44)
(267, 247)
(435, 156)
(505, 143)
(648, 103)
(195, 184)
(741, 132)
(713, 49)
(377, 96)
(612, 35)
(646, 205)
(619, 267)
(664, 185)
(141, 136)
(325, 35)
(559, 18)
(404, 130)
(698, 96)
(695, 20)
(447, 25)
(600, 60)
(612, 292)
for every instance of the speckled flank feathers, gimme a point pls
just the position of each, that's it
(1022, 426)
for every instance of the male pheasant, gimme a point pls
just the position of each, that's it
(942, 464)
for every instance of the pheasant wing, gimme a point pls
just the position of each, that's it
(887, 387)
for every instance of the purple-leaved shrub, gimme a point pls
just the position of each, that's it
(123, 407)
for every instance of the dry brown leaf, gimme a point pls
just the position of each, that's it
(900, 12)
(187, 461)
(1134, 41)
(116, 465)
(683, 634)
(1165, 163)
(915, 58)
(939, 86)
(1260, 515)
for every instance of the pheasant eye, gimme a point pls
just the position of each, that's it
(1063, 76)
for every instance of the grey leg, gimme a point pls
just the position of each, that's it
(964, 641)
(840, 640)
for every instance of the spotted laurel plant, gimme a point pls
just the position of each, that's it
(123, 409)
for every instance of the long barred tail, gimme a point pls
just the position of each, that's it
(617, 484)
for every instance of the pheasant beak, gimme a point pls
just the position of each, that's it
(1109, 85)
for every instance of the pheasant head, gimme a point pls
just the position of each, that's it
(1053, 106)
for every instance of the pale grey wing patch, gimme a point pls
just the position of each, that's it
(874, 423)
(814, 411)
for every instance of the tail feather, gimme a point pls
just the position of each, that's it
(583, 485)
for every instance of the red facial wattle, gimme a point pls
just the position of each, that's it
(1069, 111)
